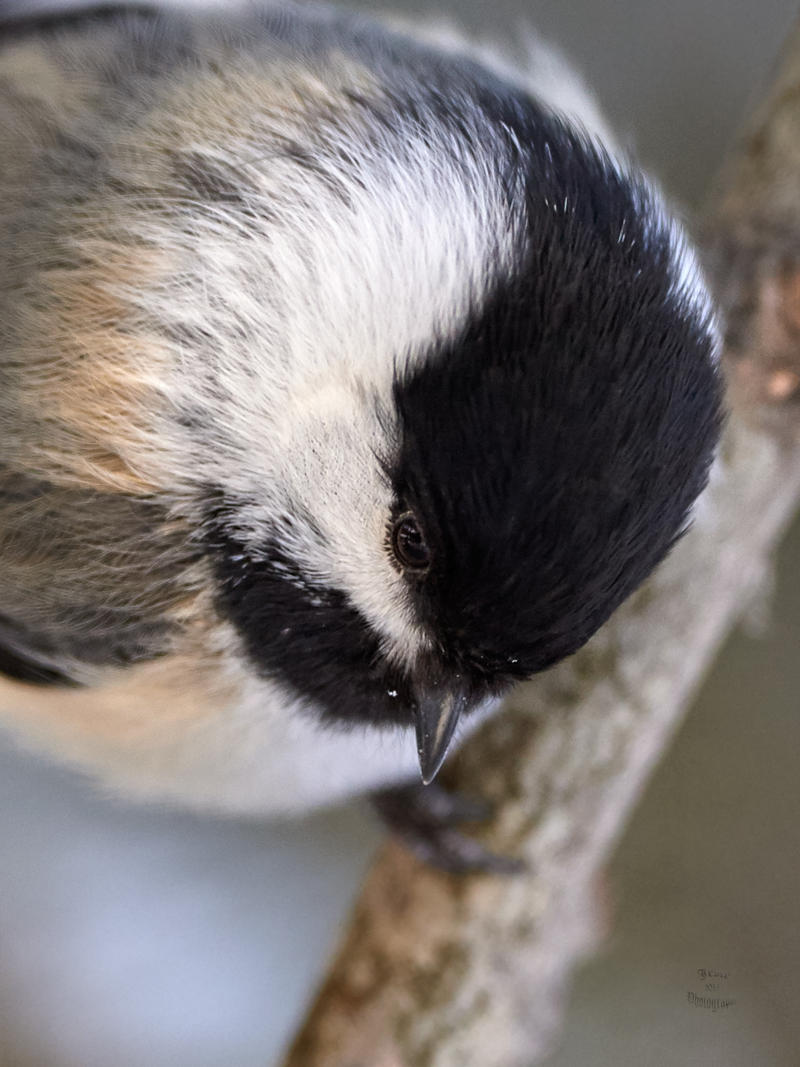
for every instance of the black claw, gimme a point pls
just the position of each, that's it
(425, 817)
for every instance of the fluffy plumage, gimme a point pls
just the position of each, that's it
(267, 282)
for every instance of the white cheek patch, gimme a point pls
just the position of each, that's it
(308, 321)
(336, 480)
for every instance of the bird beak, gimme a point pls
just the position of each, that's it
(436, 713)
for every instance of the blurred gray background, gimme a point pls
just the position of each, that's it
(144, 938)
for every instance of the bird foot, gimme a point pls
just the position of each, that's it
(425, 818)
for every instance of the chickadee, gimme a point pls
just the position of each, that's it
(347, 377)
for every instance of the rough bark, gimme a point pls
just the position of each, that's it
(441, 971)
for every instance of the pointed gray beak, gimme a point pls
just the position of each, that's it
(437, 711)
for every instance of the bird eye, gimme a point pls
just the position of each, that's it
(409, 545)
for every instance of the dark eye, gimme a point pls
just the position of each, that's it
(408, 544)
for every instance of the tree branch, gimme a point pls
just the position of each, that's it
(440, 971)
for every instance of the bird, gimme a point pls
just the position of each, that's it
(351, 373)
